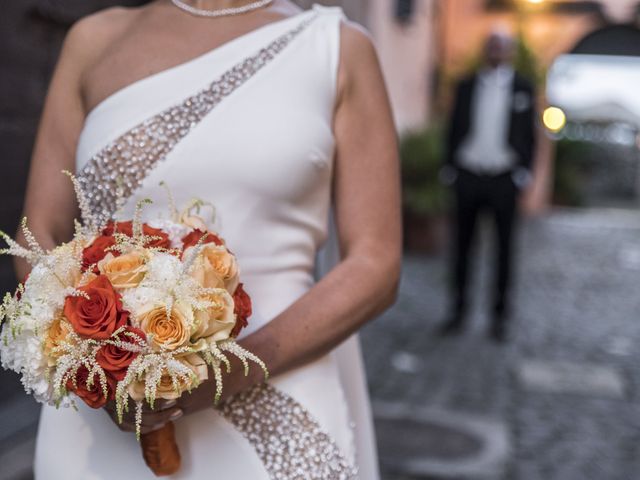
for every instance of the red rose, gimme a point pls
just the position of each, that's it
(115, 360)
(97, 251)
(242, 309)
(99, 315)
(194, 237)
(126, 228)
(18, 294)
(92, 395)
(161, 242)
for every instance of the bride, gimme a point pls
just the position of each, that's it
(279, 117)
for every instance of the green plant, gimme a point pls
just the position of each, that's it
(526, 63)
(571, 165)
(421, 154)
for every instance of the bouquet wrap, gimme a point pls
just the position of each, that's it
(160, 450)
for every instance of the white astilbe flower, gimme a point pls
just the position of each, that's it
(164, 284)
(176, 231)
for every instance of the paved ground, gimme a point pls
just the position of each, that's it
(565, 388)
(558, 402)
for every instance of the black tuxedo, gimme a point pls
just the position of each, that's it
(521, 120)
(496, 193)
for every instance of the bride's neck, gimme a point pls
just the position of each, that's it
(218, 4)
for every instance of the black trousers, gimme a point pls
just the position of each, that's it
(498, 196)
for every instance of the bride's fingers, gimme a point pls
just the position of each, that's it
(161, 405)
(152, 420)
(160, 418)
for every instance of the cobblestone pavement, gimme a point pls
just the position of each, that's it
(577, 303)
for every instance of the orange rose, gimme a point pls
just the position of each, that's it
(166, 332)
(18, 294)
(126, 228)
(162, 241)
(165, 388)
(125, 271)
(92, 395)
(216, 267)
(99, 315)
(95, 252)
(242, 309)
(57, 334)
(115, 360)
(192, 238)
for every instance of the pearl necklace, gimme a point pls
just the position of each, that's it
(199, 12)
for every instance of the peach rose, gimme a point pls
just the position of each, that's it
(216, 322)
(216, 267)
(56, 336)
(193, 221)
(125, 271)
(166, 332)
(166, 389)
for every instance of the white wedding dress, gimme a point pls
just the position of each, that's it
(247, 127)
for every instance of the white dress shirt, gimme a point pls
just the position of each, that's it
(486, 150)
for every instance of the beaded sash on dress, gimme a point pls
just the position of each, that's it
(113, 174)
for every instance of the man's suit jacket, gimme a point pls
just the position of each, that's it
(522, 128)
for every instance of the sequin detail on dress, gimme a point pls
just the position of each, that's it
(113, 174)
(290, 443)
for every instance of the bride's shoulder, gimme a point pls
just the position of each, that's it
(357, 50)
(91, 35)
(359, 71)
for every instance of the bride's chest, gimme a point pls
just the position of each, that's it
(273, 139)
(262, 128)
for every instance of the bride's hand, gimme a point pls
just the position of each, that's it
(203, 397)
(165, 411)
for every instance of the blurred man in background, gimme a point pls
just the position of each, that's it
(490, 148)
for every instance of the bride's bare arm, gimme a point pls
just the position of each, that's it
(367, 200)
(50, 203)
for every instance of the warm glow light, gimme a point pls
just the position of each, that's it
(554, 119)
(535, 1)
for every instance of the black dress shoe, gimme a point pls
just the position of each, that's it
(453, 326)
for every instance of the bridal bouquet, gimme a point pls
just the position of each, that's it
(127, 312)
